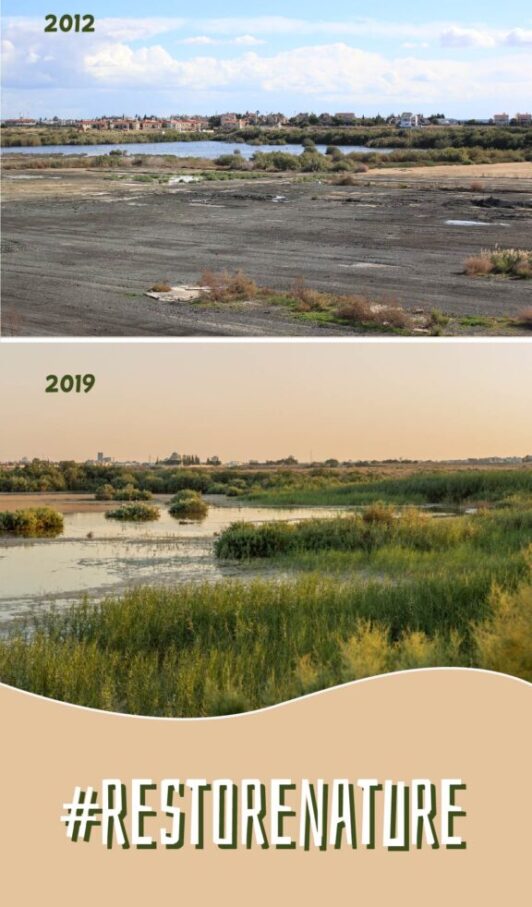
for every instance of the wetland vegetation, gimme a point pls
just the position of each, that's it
(32, 522)
(310, 603)
(188, 503)
(134, 513)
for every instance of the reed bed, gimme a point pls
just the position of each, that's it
(232, 646)
(378, 525)
(379, 591)
(454, 488)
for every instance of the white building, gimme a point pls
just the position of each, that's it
(501, 119)
(409, 121)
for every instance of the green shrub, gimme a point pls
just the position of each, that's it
(217, 488)
(135, 513)
(104, 492)
(188, 504)
(132, 493)
(504, 641)
(35, 522)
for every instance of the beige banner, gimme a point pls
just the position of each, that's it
(434, 724)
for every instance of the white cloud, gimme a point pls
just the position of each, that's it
(283, 25)
(134, 29)
(337, 69)
(248, 41)
(333, 69)
(450, 34)
(200, 39)
(466, 37)
(246, 30)
(207, 41)
(519, 37)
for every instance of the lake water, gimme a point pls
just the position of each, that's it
(209, 150)
(37, 573)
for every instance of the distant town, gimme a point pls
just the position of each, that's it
(235, 121)
(190, 460)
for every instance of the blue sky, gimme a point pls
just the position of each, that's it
(161, 57)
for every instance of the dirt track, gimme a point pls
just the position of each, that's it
(80, 252)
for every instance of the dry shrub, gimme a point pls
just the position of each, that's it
(347, 179)
(523, 269)
(524, 319)
(240, 286)
(309, 300)
(476, 186)
(394, 316)
(161, 287)
(215, 282)
(478, 265)
(227, 287)
(355, 309)
(508, 262)
(361, 310)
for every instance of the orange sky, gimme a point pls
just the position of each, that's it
(351, 401)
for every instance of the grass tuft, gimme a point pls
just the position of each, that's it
(515, 263)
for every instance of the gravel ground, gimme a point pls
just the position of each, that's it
(80, 252)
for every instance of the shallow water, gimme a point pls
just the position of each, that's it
(36, 573)
(209, 150)
(473, 223)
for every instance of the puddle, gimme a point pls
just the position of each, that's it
(178, 294)
(183, 179)
(368, 264)
(473, 223)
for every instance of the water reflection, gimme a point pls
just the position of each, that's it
(101, 556)
(206, 149)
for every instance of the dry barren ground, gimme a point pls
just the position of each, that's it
(80, 250)
(65, 501)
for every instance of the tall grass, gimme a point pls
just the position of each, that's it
(379, 591)
(212, 649)
(455, 487)
(376, 527)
